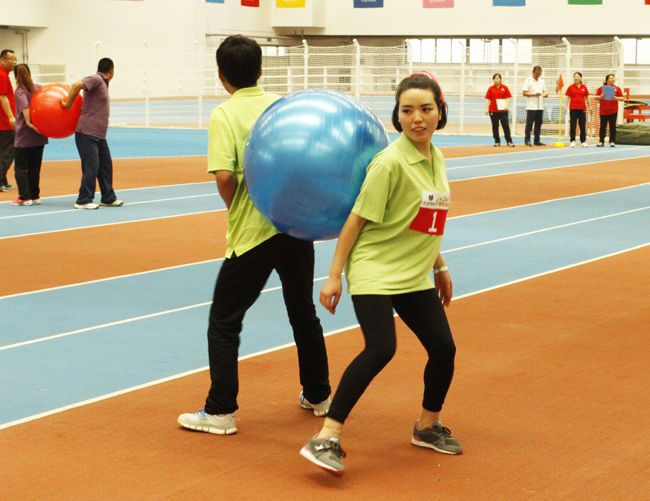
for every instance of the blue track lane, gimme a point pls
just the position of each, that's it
(483, 251)
(57, 213)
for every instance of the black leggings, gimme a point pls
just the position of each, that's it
(28, 172)
(424, 314)
(578, 117)
(611, 120)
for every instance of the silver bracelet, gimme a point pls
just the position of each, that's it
(440, 270)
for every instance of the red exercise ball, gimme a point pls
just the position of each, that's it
(48, 115)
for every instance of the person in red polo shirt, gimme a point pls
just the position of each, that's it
(608, 95)
(577, 99)
(7, 117)
(497, 100)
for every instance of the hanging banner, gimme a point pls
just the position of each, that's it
(585, 2)
(509, 3)
(214, 1)
(290, 4)
(432, 4)
(250, 3)
(368, 4)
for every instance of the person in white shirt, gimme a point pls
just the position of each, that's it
(534, 92)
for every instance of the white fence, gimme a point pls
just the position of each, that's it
(162, 88)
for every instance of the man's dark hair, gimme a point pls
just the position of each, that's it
(5, 52)
(420, 81)
(105, 65)
(240, 61)
(536, 68)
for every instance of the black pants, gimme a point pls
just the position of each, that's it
(534, 117)
(423, 313)
(496, 117)
(96, 166)
(28, 172)
(611, 120)
(239, 284)
(7, 139)
(578, 117)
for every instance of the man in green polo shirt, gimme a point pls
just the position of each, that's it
(255, 249)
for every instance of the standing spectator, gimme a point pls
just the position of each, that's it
(498, 94)
(608, 95)
(577, 95)
(7, 117)
(29, 142)
(90, 137)
(534, 92)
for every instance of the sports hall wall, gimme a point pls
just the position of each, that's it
(64, 32)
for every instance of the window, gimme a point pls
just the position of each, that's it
(637, 50)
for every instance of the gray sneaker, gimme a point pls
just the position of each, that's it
(319, 409)
(326, 453)
(219, 424)
(437, 438)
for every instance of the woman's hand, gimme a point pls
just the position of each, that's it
(330, 294)
(443, 287)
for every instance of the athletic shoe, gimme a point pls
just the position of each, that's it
(117, 203)
(18, 201)
(528, 143)
(319, 409)
(511, 145)
(5, 187)
(218, 424)
(86, 206)
(326, 453)
(539, 143)
(572, 145)
(584, 145)
(600, 145)
(612, 144)
(36, 201)
(497, 144)
(438, 438)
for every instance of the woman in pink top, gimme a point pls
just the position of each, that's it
(577, 99)
(29, 142)
(498, 94)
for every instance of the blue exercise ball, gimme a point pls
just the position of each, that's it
(306, 158)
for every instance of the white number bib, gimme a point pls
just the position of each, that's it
(432, 215)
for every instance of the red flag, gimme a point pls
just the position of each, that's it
(560, 84)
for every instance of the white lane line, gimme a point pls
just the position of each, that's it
(144, 317)
(129, 203)
(288, 345)
(551, 228)
(112, 224)
(125, 321)
(542, 158)
(572, 197)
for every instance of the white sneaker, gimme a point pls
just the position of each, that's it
(612, 144)
(117, 203)
(573, 144)
(584, 145)
(218, 424)
(86, 206)
(319, 409)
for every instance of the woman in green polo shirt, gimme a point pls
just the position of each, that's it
(389, 245)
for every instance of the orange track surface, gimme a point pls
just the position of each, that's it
(549, 396)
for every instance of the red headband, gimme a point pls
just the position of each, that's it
(432, 77)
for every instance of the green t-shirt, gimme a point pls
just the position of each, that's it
(230, 124)
(389, 257)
